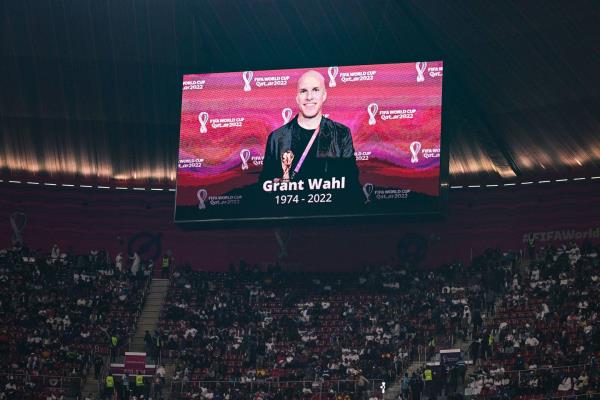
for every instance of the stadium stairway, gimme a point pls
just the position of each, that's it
(147, 321)
(393, 391)
(91, 386)
(150, 314)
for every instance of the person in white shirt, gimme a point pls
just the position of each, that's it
(119, 262)
(566, 384)
(582, 382)
(161, 371)
(532, 342)
(135, 266)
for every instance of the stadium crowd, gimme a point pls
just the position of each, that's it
(544, 338)
(530, 328)
(60, 315)
(531, 333)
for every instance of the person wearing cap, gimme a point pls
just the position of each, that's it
(311, 145)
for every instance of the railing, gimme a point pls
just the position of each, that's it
(316, 387)
(582, 396)
(102, 375)
(133, 328)
(594, 395)
(158, 357)
(50, 381)
(519, 376)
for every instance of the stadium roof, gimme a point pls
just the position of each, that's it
(91, 89)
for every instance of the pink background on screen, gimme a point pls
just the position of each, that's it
(394, 87)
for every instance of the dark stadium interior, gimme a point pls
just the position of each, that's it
(88, 87)
(103, 296)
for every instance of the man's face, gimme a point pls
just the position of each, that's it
(311, 95)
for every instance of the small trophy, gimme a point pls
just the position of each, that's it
(286, 164)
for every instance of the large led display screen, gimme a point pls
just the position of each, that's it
(313, 142)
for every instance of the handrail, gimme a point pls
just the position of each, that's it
(582, 395)
(544, 368)
(373, 384)
(517, 373)
(27, 377)
(265, 380)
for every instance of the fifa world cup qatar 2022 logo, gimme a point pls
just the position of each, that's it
(247, 77)
(367, 191)
(332, 72)
(415, 147)
(203, 119)
(372, 110)
(420, 67)
(202, 194)
(245, 156)
(286, 114)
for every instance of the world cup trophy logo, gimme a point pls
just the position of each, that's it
(415, 147)
(372, 110)
(367, 190)
(247, 76)
(332, 72)
(421, 67)
(203, 119)
(202, 194)
(286, 114)
(18, 220)
(287, 157)
(245, 156)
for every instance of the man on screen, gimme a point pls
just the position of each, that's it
(311, 146)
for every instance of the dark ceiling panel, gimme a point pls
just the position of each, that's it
(92, 88)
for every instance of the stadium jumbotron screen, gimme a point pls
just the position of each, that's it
(315, 142)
